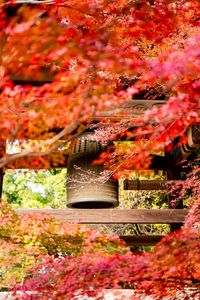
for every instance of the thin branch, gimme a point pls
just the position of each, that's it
(66, 131)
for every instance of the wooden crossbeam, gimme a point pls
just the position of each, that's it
(113, 216)
(141, 240)
(147, 185)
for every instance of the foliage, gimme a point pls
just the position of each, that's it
(25, 238)
(96, 57)
(88, 53)
(35, 189)
(189, 190)
(172, 269)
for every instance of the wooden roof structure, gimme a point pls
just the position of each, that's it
(173, 216)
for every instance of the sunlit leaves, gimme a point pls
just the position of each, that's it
(25, 238)
(83, 49)
(172, 268)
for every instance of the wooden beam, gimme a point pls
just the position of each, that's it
(20, 81)
(145, 185)
(158, 162)
(141, 240)
(113, 216)
(130, 109)
(46, 77)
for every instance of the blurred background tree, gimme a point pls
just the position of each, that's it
(35, 189)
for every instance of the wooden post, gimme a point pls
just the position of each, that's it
(2, 152)
(173, 173)
(1, 182)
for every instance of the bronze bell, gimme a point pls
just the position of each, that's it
(193, 140)
(85, 187)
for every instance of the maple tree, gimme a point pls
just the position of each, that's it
(86, 51)
(75, 259)
(172, 269)
(25, 239)
(94, 57)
